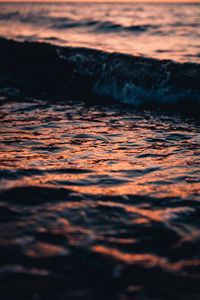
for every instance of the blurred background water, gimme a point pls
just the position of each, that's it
(168, 31)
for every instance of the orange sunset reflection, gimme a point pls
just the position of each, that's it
(93, 157)
(99, 150)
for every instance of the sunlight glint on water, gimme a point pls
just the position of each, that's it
(99, 152)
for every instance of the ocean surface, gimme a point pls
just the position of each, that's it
(99, 151)
(164, 31)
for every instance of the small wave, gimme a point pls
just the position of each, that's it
(66, 22)
(21, 173)
(97, 76)
(99, 26)
(9, 15)
(108, 26)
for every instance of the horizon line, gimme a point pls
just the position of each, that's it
(103, 1)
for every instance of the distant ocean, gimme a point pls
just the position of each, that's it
(99, 151)
(164, 31)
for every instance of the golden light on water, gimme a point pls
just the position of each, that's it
(112, 1)
(99, 152)
(93, 157)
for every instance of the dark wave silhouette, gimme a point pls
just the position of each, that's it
(43, 70)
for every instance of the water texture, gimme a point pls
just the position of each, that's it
(98, 202)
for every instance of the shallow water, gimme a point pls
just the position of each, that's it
(95, 150)
(164, 31)
(98, 202)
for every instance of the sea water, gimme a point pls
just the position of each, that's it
(99, 151)
(166, 31)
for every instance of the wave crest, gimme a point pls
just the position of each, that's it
(42, 69)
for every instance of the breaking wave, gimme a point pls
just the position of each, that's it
(44, 70)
